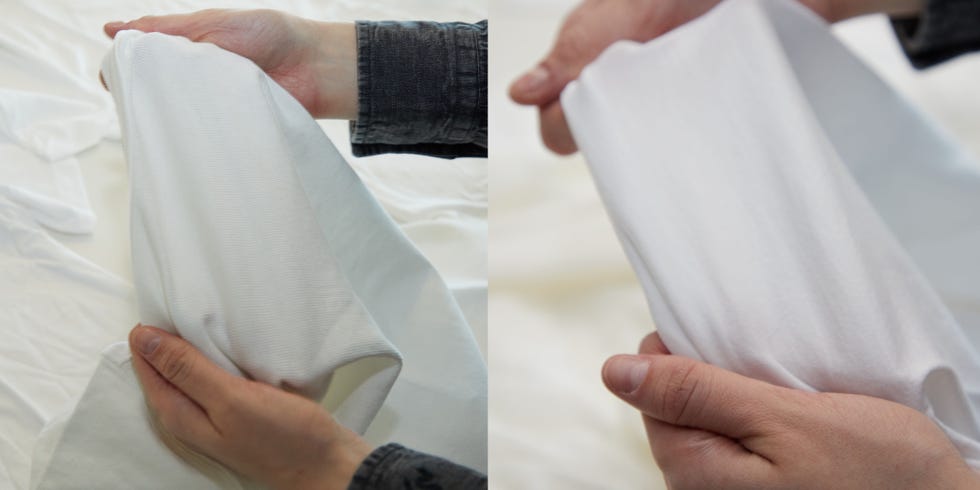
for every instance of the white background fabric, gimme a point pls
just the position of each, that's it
(566, 290)
(441, 206)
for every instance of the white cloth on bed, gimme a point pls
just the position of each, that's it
(52, 191)
(51, 108)
(57, 312)
(256, 241)
(51, 102)
(789, 216)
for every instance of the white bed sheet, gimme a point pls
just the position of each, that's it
(440, 204)
(564, 297)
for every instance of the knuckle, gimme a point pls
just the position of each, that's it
(682, 384)
(226, 405)
(177, 365)
(574, 43)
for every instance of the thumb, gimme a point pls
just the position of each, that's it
(182, 365)
(683, 392)
(575, 47)
(544, 83)
(177, 24)
(538, 86)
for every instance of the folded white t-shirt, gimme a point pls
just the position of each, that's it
(255, 240)
(789, 216)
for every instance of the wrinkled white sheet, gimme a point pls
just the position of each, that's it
(789, 216)
(57, 312)
(48, 113)
(51, 347)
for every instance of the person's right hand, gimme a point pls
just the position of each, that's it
(280, 439)
(712, 428)
(596, 24)
(316, 62)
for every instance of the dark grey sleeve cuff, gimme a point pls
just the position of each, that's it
(422, 88)
(946, 29)
(395, 467)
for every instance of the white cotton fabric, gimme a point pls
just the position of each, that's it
(227, 249)
(52, 192)
(253, 239)
(51, 102)
(58, 311)
(51, 108)
(789, 216)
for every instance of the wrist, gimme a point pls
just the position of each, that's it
(333, 60)
(343, 454)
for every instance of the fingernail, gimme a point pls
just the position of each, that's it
(147, 341)
(625, 374)
(533, 80)
(114, 24)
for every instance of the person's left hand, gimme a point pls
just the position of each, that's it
(277, 438)
(595, 24)
(711, 428)
(314, 61)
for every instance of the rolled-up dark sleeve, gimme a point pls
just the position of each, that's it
(395, 467)
(422, 88)
(945, 29)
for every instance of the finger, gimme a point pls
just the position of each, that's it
(111, 28)
(694, 458)
(687, 393)
(533, 87)
(554, 130)
(177, 413)
(652, 344)
(543, 84)
(177, 25)
(578, 43)
(184, 367)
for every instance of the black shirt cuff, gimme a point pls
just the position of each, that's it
(422, 88)
(946, 29)
(395, 467)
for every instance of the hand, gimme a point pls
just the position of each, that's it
(595, 24)
(316, 62)
(711, 428)
(277, 438)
